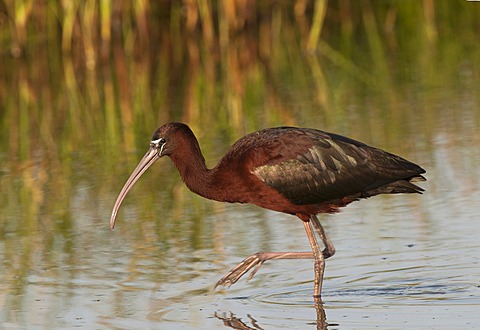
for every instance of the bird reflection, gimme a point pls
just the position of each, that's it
(234, 322)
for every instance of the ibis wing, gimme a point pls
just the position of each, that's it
(336, 167)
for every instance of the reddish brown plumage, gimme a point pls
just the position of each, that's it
(298, 171)
(233, 179)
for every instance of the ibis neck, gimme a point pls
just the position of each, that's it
(194, 172)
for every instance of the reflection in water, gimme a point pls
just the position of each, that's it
(321, 316)
(234, 322)
(82, 85)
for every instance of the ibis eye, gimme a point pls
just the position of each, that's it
(158, 142)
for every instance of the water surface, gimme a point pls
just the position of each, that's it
(74, 126)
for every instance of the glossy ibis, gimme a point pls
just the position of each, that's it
(299, 171)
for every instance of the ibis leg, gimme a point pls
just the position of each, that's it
(329, 248)
(319, 266)
(256, 261)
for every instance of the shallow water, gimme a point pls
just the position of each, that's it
(72, 131)
(402, 261)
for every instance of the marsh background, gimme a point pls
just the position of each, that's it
(83, 84)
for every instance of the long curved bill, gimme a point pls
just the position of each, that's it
(150, 157)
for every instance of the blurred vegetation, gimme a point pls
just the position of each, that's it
(83, 84)
(114, 70)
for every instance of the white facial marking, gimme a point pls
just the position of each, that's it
(155, 142)
(158, 143)
(161, 149)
